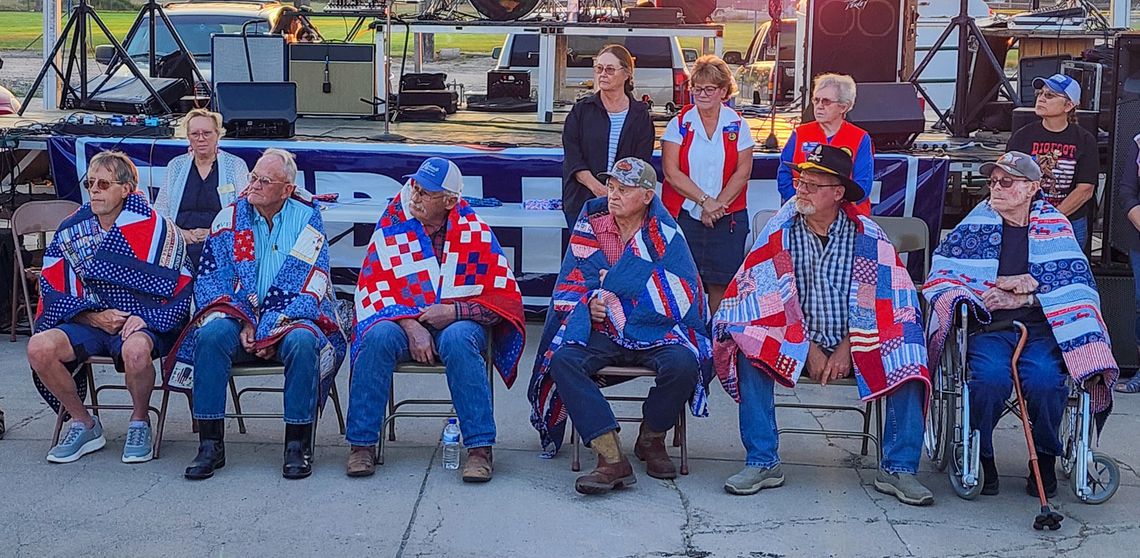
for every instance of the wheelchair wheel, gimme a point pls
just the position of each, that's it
(941, 420)
(1069, 441)
(954, 472)
(1103, 479)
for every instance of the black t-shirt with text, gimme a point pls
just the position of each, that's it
(1066, 158)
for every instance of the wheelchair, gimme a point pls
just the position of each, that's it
(955, 448)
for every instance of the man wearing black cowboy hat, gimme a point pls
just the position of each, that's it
(824, 320)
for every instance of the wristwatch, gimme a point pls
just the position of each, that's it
(704, 198)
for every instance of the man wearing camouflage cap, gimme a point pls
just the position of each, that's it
(628, 294)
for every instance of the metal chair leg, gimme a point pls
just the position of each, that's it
(391, 412)
(14, 304)
(237, 405)
(190, 405)
(58, 426)
(335, 396)
(91, 388)
(161, 422)
(866, 427)
(681, 431)
(575, 458)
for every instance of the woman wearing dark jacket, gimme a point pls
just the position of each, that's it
(601, 129)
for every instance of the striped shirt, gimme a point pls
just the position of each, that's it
(272, 245)
(617, 120)
(823, 278)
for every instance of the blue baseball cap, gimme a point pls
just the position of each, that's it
(1061, 83)
(438, 175)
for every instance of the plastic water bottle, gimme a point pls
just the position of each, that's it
(451, 445)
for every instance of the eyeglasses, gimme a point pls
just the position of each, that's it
(706, 91)
(607, 70)
(1049, 95)
(1005, 182)
(202, 135)
(823, 102)
(100, 184)
(263, 181)
(812, 187)
(419, 192)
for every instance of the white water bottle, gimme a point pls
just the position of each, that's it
(451, 445)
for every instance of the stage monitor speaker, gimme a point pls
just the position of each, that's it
(695, 11)
(266, 58)
(332, 78)
(1125, 127)
(1117, 296)
(890, 112)
(1029, 69)
(872, 41)
(504, 10)
(1023, 116)
(258, 109)
(508, 84)
(128, 95)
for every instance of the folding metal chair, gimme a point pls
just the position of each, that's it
(267, 368)
(679, 438)
(36, 217)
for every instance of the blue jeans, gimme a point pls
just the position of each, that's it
(1135, 257)
(1042, 373)
(1081, 231)
(575, 368)
(902, 426)
(219, 347)
(460, 347)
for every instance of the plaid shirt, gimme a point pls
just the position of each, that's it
(823, 278)
(463, 310)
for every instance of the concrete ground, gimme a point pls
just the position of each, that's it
(413, 507)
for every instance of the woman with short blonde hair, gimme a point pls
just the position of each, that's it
(201, 182)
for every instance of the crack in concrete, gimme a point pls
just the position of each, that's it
(887, 517)
(158, 479)
(688, 529)
(416, 507)
(28, 420)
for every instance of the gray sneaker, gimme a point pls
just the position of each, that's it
(905, 487)
(751, 480)
(78, 441)
(138, 447)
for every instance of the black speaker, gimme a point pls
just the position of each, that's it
(508, 84)
(890, 112)
(1029, 69)
(128, 95)
(867, 40)
(258, 109)
(1118, 307)
(1125, 127)
(695, 11)
(423, 82)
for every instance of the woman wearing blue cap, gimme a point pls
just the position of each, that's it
(1066, 153)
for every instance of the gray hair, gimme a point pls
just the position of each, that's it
(288, 159)
(119, 164)
(844, 86)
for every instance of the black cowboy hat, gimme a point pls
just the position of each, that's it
(835, 161)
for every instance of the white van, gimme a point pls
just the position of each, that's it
(661, 71)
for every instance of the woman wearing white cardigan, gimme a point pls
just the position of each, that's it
(201, 182)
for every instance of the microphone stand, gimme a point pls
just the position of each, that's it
(388, 135)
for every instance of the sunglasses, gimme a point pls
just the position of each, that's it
(823, 102)
(102, 185)
(607, 70)
(1004, 182)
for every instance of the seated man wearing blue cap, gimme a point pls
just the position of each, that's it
(1065, 152)
(435, 285)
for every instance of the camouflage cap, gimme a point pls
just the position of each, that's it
(632, 172)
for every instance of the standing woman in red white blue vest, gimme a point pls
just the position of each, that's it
(706, 153)
(834, 95)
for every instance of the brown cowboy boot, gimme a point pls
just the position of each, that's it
(650, 448)
(478, 467)
(613, 470)
(361, 462)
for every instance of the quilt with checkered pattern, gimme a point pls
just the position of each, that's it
(761, 318)
(401, 277)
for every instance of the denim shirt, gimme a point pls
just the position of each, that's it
(272, 245)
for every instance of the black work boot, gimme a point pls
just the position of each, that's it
(298, 451)
(990, 484)
(211, 450)
(1048, 466)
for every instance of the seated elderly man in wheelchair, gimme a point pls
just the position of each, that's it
(822, 292)
(1014, 258)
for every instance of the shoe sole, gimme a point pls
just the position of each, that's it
(476, 479)
(297, 476)
(663, 476)
(766, 483)
(887, 488)
(600, 488)
(204, 477)
(356, 474)
(90, 447)
(139, 459)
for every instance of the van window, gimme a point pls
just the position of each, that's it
(760, 41)
(648, 52)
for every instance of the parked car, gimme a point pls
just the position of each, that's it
(661, 72)
(754, 77)
(196, 22)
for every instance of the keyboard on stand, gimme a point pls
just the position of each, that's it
(355, 6)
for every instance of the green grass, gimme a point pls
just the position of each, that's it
(24, 28)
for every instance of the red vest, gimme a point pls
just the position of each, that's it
(673, 199)
(849, 136)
